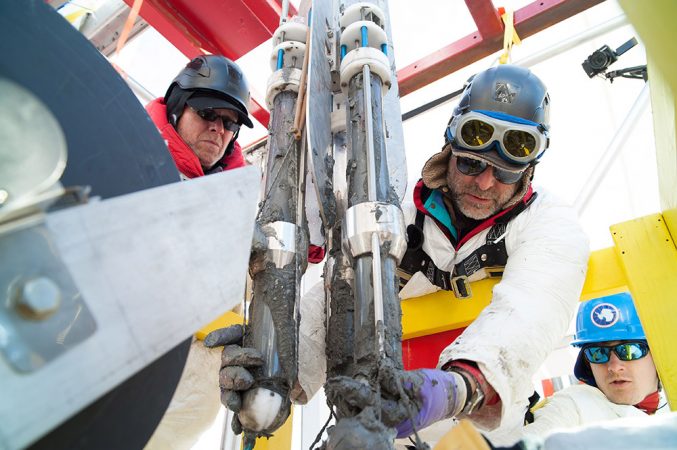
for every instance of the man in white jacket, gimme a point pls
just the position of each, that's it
(615, 365)
(475, 214)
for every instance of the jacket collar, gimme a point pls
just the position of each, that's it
(430, 202)
(184, 157)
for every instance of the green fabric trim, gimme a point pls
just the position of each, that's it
(435, 206)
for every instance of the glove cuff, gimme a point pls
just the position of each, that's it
(463, 389)
(475, 397)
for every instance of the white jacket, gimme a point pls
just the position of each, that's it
(531, 308)
(580, 405)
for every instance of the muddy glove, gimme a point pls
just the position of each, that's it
(436, 395)
(234, 378)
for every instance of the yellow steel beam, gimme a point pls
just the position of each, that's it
(648, 256)
(442, 311)
(605, 275)
(656, 28)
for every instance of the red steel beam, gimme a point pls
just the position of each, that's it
(225, 27)
(529, 20)
(261, 114)
(486, 17)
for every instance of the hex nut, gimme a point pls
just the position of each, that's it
(38, 298)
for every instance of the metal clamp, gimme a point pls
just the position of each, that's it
(287, 79)
(384, 219)
(281, 238)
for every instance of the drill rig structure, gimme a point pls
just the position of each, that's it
(335, 139)
(356, 162)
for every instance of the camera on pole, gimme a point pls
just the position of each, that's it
(600, 60)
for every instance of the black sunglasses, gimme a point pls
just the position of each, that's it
(210, 115)
(627, 351)
(473, 167)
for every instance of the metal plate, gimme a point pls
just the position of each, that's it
(114, 148)
(392, 116)
(154, 267)
(38, 273)
(318, 108)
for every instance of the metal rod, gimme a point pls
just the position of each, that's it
(615, 146)
(377, 281)
(285, 11)
(280, 58)
(135, 86)
(369, 128)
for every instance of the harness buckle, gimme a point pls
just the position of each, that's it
(494, 272)
(461, 287)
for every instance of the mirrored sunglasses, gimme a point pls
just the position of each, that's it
(473, 167)
(627, 351)
(212, 116)
(519, 141)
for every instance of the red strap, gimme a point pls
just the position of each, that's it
(490, 395)
(650, 403)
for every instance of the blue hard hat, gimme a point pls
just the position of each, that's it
(605, 319)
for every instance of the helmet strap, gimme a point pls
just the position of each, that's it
(229, 149)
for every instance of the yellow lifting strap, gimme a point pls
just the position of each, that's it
(510, 36)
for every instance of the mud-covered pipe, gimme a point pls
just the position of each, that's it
(366, 350)
(273, 326)
(355, 395)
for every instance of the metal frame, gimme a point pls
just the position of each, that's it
(234, 27)
(529, 20)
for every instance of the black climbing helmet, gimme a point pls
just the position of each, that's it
(215, 81)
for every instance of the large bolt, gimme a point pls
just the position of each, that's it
(4, 195)
(38, 298)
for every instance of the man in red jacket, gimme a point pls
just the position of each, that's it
(201, 114)
(199, 117)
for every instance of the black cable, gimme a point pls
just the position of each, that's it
(319, 435)
(430, 105)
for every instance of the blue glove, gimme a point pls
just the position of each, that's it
(437, 395)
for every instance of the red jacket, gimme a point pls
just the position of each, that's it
(184, 158)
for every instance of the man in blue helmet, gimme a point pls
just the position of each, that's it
(615, 365)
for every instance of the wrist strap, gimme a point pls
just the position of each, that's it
(475, 399)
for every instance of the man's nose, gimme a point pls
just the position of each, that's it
(615, 364)
(486, 180)
(217, 126)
